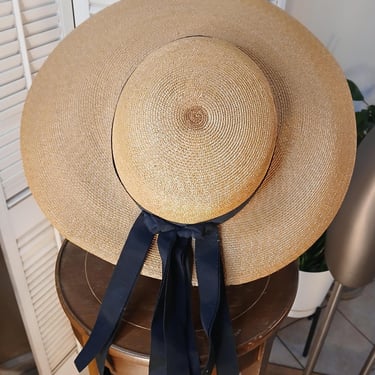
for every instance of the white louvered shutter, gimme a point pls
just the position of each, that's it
(29, 31)
(98, 5)
(83, 9)
(280, 3)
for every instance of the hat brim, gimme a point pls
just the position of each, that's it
(68, 116)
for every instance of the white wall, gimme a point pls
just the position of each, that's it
(347, 29)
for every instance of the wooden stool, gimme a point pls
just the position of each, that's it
(256, 309)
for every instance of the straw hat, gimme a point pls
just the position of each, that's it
(190, 109)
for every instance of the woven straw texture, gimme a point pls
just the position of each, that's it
(207, 103)
(207, 120)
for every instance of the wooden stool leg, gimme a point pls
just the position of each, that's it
(258, 365)
(266, 355)
(254, 368)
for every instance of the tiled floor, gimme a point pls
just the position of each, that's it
(349, 341)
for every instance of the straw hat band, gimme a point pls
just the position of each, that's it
(193, 139)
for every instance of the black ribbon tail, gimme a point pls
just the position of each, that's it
(182, 353)
(158, 361)
(214, 310)
(173, 349)
(173, 346)
(194, 360)
(116, 296)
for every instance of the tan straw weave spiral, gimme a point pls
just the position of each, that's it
(192, 140)
(188, 109)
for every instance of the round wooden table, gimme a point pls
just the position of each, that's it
(256, 309)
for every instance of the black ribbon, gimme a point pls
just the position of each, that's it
(173, 347)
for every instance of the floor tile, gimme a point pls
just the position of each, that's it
(281, 370)
(287, 321)
(281, 355)
(343, 353)
(360, 311)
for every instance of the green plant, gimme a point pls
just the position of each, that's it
(313, 260)
(365, 118)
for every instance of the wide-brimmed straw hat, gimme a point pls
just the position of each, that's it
(191, 110)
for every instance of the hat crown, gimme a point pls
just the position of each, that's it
(194, 130)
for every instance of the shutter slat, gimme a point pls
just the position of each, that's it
(7, 22)
(39, 290)
(8, 137)
(49, 326)
(39, 13)
(11, 125)
(13, 100)
(43, 38)
(9, 49)
(11, 75)
(10, 63)
(38, 285)
(44, 299)
(42, 51)
(5, 8)
(31, 234)
(55, 331)
(34, 273)
(39, 248)
(56, 360)
(9, 154)
(55, 345)
(29, 4)
(57, 363)
(16, 183)
(9, 35)
(41, 25)
(43, 303)
(44, 278)
(12, 88)
(50, 310)
(10, 159)
(11, 112)
(37, 64)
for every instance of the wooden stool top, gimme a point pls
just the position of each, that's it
(256, 308)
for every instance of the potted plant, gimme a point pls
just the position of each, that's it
(314, 276)
(314, 280)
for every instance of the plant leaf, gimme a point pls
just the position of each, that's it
(371, 113)
(313, 260)
(361, 118)
(362, 124)
(355, 91)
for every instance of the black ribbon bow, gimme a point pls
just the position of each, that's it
(173, 347)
